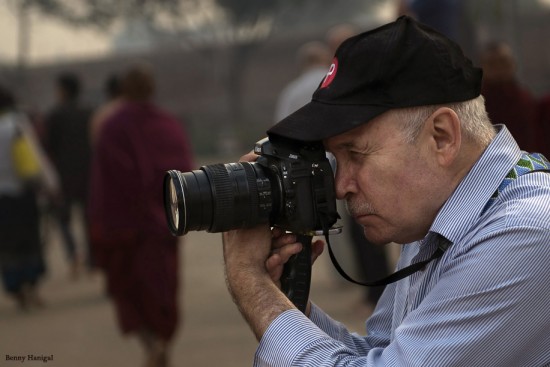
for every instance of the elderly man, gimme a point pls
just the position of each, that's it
(419, 163)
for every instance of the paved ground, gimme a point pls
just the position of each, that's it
(77, 326)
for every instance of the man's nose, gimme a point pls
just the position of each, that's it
(344, 183)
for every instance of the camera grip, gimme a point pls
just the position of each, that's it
(296, 277)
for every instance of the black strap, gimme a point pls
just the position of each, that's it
(400, 274)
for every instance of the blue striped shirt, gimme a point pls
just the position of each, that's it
(486, 302)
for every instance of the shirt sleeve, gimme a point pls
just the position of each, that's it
(294, 340)
(485, 309)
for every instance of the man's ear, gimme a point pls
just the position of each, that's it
(445, 132)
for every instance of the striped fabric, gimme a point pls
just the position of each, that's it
(528, 162)
(485, 303)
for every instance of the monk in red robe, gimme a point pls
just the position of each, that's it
(130, 236)
(506, 100)
(544, 124)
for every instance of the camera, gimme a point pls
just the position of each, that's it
(290, 185)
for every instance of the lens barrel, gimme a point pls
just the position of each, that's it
(218, 197)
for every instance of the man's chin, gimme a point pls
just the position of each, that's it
(373, 237)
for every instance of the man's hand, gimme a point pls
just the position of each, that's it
(283, 247)
(254, 260)
(254, 292)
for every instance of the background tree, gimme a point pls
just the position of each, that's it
(233, 29)
(238, 26)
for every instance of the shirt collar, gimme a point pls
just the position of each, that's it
(466, 203)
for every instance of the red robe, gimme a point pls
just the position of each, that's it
(544, 126)
(129, 233)
(509, 104)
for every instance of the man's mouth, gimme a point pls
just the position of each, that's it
(359, 209)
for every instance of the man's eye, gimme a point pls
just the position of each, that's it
(354, 155)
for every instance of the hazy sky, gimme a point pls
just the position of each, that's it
(49, 40)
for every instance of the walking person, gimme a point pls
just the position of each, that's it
(24, 174)
(137, 144)
(66, 138)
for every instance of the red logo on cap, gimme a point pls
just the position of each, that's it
(331, 74)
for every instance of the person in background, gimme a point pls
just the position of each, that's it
(113, 92)
(313, 59)
(66, 138)
(138, 143)
(449, 17)
(22, 262)
(506, 100)
(543, 134)
(443, 15)
(338, 34)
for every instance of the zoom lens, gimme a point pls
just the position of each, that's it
(220, 197)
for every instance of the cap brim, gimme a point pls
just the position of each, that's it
(317, 121)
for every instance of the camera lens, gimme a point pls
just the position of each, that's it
(219, 197)
(173, 198)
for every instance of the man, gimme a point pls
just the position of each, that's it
(66, 139)
(22, 264)
(114, 100)
(450, 17)
(419, 163)
(313, 59)
(443, 15)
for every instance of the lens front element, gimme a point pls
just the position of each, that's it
(174, 203)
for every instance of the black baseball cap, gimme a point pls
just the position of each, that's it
(401, 64)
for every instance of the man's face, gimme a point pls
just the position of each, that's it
(390, 186)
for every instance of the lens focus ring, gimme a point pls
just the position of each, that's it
(223, 197)
(252, 187)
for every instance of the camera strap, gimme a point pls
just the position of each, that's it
(528, 163)
(394, 277)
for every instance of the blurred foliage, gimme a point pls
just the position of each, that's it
(102, 13)
(243, 11)
(181, 14)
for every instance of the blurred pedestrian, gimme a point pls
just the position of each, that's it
(442, 15)
(23, 172)
(66, 137)
(338, 34)
(113, 92)
(137, 145)
(313, 59)
(543, 134)
(507, 100)
(446, 16)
